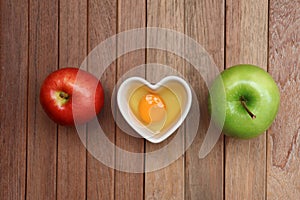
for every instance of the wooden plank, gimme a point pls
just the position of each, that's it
(71, 166)
(205, 24)
(42, 132)
(13, 97)
(246, 42)
(166, 183)
(102, 16)
(131, 14)
(283, 172)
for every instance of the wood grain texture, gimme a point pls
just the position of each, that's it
(205, 24)
(71, 166)
(283, 177)
(102, 16)
(13, 97)
(246, 42)
(40, 160)
(42, 132)
(166, 183)
(131, 14)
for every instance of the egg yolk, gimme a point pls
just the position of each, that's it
(152, 108)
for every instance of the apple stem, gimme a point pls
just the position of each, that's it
(243, 102)
(63, 95)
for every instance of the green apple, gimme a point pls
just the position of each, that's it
(251, 101)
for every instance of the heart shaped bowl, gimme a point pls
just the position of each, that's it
(175, 84)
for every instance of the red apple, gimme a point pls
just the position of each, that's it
(71, 95)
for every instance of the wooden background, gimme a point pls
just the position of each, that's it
(40, 160)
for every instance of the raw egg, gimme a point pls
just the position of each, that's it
(157, 110)
(152, 108)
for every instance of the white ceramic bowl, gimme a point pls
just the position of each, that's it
(176, 84)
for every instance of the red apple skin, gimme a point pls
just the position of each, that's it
(85, 96)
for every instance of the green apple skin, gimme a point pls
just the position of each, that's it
(259, 93)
